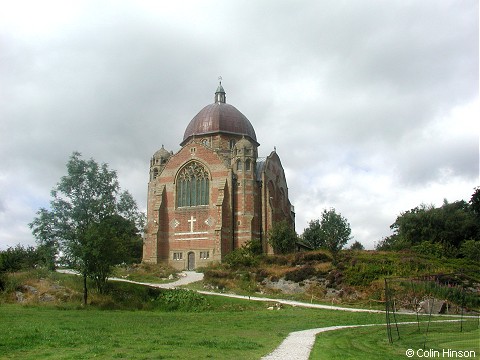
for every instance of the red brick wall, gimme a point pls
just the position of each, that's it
(239, 209)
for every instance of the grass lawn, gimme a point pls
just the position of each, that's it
(225, 328)
(238, 329)
(372, 343)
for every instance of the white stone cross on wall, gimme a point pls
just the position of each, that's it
(191, 221)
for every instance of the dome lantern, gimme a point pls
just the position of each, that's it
(220, 95)
(219, 117)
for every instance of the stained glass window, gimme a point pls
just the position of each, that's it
(193, 185)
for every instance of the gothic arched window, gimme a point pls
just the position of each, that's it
(248, 165)
(192, 185)
(239, 165)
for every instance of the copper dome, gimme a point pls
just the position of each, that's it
(219, 118)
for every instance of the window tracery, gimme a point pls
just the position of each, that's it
(193, 185)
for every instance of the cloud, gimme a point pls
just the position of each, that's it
(372, 106)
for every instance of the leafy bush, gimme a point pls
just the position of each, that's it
(470, 249)
(181, 300)
(241, 258)
(282, 237)
(23, 258)
(436, 249)
(254, 246)
(311, 256)
(300, 274)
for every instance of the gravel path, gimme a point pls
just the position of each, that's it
(186, 277)
(297, 345)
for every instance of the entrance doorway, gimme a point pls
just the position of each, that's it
(191, 261)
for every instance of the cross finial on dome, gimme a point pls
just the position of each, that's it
(220, 93)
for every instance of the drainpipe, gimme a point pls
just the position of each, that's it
(234, 185)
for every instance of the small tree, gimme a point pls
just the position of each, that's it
(334, 231)
(357, 246)
(81, 221)
(282, 237)
(312, 234)
(109, 242)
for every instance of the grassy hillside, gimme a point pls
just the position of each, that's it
(357, 278)
(136, 322)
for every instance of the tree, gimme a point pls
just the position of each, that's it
(109, 242)
(332, 232)
(475, 202)
(311, 235)
(442, 229)
(79, 223)
(282, 237)
(357, 246)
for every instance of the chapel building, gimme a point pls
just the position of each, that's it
(215, 194)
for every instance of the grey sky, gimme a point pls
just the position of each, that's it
(372, 105)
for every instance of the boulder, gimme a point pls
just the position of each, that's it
(434, 306)
(19, 296)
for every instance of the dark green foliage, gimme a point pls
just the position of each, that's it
(475, 202)
(332, 232)
(181, 300)
(457, 289)
(111, 241)
(3, 281)
(357, 246)
(90, 222)
(301, 274)
(438, 250)
(282, 237)
(246, 256)
(23, 258)
(240, 258)
(470, 249)
(310, 257)
(312, 235)
(254, 246)
(335, 278)
(440, 231)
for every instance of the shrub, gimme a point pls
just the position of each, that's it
(309, 257)
(240, 258)
(433, 248)
(3, 281)
(181, 300)
(260, 275)
(254, 246)
(276, 260)
(470, 249)
(19, 258)
(300, 274)
(217, 274)
(334, 277)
